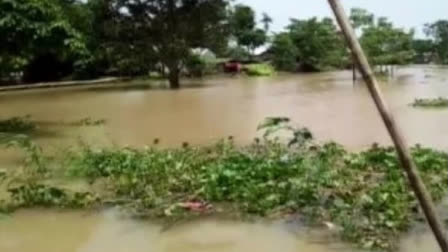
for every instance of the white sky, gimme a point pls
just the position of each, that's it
(403, 13)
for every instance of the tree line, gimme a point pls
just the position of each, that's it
(47, 40)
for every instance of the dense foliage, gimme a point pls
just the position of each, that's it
(318, 43)
(47, 40)
(438, 31)
(365, 194)
(383, 43)
(386, 45)
(309, 45)
(424, 51)
(168, 30)
(37, 40)
(284, 53)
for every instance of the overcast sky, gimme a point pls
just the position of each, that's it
(403, 13)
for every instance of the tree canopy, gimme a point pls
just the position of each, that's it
(438, 31)
(387, 45)
(382, 42)
(243, 26)
(318, 43)
(46, 40)
(361, 18)
(284, 52)
(33, 30)
(166, 31)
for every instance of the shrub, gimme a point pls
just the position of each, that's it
(259, 70)
(437, 102)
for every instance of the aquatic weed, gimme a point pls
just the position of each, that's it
(366, 194)
(88, 122)
(439, 102)
(17, 125)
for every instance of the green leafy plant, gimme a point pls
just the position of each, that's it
(365, 194)
(440, 102)
(35, 161)
(33, 194)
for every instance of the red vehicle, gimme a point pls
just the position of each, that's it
(232, 67)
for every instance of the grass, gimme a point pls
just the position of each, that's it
(260, 69)
(439, 102)
(365, 193)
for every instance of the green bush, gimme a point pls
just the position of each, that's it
(435, 103)
(284, 53)
(366, 194)
(195, 66)
(198, 66)
(259, 70)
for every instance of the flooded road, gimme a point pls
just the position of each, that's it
(214, 108)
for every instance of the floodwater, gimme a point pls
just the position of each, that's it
(327, 103)
(51, 231)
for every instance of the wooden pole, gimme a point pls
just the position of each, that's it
(395, 133)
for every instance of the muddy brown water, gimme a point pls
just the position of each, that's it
(41, 231)
(52, 231)
(214, 108)
(205, 111)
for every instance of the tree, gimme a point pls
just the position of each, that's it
(284, 52)
(318, 43)
(424, 50)
(267, 21)
(169, 29)
(34, 31)
(361, 18)
(242, 20)
(243, 26)
(438, 31)
(253, 39)
(387, 45)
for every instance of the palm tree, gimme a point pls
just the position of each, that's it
(267, 21)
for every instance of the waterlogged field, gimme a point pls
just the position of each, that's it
(288, 173)
(214, 108)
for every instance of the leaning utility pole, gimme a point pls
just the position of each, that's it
(395, 133)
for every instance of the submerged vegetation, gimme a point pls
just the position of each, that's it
(88, 122)
(17, 125)
(366, 194)
(439, 102)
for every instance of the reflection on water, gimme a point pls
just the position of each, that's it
(41, 231)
